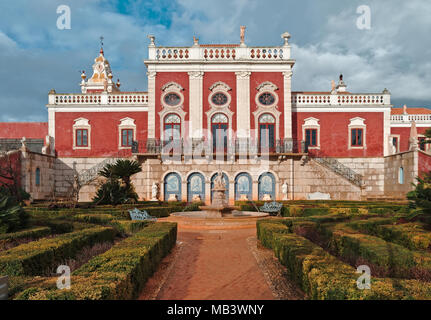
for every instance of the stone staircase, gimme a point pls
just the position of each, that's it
(340, 169)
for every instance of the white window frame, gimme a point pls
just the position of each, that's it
(82, 123)
(312, 123)
(357, 123)
(398, 142)
(126, 123)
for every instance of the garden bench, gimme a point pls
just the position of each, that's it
(137, 214)
(272, 208)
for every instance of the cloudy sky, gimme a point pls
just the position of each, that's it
(35, 56)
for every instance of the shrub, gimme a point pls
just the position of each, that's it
(95, 218)
(322, 276)
(34, 258)
(128, 226)
(57, 226)
(315, 212)
(12, 216)
(119, 273)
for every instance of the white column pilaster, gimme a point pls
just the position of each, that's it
(386, 130)
(151, 104)
(287, 111)
(196, 103)
(243, 104)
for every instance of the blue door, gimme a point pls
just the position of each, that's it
(267, 185)
(243, 186)
(172, 186)
(195, 186)
(226, 183)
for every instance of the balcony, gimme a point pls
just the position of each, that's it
(205, 148)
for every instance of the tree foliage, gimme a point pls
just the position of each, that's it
(118, 188)
(420, 197)
(12, 215)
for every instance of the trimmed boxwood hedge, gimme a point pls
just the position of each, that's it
(394, 259)
(32, 233)
(322, 276)
(35, 258)
(119, 273)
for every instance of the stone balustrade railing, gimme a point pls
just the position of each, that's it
(216, 53)
(304, 99)
(124, 98)
(407, 118)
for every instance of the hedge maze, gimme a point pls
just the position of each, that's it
(112, 256)
(322, 247)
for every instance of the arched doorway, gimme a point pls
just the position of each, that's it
(267, 133)
(243, 186)
(172, 186)
(266, 186)
(226, 183)
(219, 127)
(195, 187)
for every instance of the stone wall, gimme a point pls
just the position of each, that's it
(30, 162)
(302, 176)
(409, 162)
(373, 172)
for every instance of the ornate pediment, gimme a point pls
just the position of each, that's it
(267, 86)
(220, 86)
(172, 86)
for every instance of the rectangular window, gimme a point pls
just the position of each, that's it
(421, 142)
(126, 137)
(81, 138)
(357, 136)
(311, 137)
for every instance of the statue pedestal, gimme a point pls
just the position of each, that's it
(219, 204)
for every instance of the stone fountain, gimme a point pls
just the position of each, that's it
(219, 204)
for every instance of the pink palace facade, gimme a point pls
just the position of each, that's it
(225, 107)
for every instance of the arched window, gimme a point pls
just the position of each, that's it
(219, 127)
(172, 187)
(267, 132)
(195, 187)
(226, 183)
(243, 187)
(37, 177)
(266, 186)
(172, 127)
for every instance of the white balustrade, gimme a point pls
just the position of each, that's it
(227, 53)
(100, 98)
(311, 99)
(407, 118)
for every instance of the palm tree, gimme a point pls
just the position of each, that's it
(124, 169)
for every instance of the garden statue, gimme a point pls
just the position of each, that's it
(284, 190)
(154, 192)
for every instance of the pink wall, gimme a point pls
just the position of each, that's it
(424, 163)
(209, 79)
(17, 130)
(162, 78)
(13, 161)
(404, 133)
(276, 78)
(334, 134)
(104, 137)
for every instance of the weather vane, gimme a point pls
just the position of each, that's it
(101, 41)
